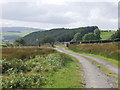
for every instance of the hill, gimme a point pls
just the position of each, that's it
(106, 35)
(19, 29)
(12, 33)
(59, 34)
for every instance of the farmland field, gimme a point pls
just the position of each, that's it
(106, 35)
(22, 33)
(33, 67)
(13, 35)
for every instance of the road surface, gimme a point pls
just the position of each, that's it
(94, 77)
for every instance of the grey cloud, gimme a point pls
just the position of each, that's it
(68, 13)
(42, 13)
(21, 10)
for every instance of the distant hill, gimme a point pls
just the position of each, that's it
(21, 29)
(11, 37)
(59, 34)
(12, 33)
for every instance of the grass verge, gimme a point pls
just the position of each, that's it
(110, 60)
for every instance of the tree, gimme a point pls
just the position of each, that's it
(19, 42)
(89, 36)
(116, 35)
(77, 37)
(97, 34)
(49, 39)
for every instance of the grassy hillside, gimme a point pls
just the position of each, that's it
(22, 33)
(109, 50)
(12, 33)
(33, 67)
(11, 36)
(106, 35)
(60, 34)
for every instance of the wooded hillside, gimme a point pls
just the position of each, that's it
(59, 34)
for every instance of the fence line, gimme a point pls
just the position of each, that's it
(98, 41)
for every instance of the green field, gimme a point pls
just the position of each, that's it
(23, 33)
(106, 35)
(15, 33)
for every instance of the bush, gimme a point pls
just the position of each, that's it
(89, 36)
(22, 81)
(116, 35)
(38, 69)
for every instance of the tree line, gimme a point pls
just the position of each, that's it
(88, 36)
(58, 34)
(64, 35)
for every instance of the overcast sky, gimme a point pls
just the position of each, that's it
(47, 14)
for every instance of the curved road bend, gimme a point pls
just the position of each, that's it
(94, 78)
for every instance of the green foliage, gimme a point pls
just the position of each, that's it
(22, 81)
(52, 62)
(97, 31)
(92, 36)
(89, 36)
(48, 39)
(19, 42)
(116, 35)
(59, 34)
(77, 37)
(44, 66)
(97, 34)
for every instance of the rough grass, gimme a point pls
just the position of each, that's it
(47, 69)
(23, 33)
(25, 52)
(106, 35)
(109, 50)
